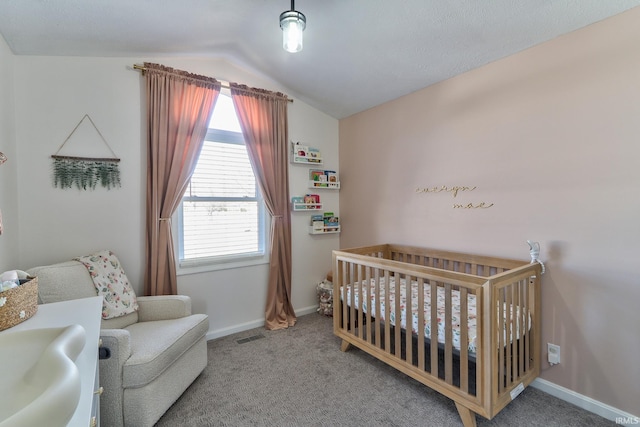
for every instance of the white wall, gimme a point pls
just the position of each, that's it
(312, 253)
(8, 184)
(53, 94)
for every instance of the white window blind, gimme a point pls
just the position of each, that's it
(222, 214)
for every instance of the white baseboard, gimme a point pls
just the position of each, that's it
(219, 333)
(584, 402)
(307, 310)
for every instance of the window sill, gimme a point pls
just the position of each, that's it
(207, 265)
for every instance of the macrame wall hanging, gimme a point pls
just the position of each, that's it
(85, 172)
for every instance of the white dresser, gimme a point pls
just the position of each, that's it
(87, 313)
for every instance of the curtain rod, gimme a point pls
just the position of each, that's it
(224, 84)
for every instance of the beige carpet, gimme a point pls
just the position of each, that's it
(299, 377)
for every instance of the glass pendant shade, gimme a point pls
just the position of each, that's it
(293, 24)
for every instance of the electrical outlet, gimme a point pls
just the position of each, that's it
(553, 353)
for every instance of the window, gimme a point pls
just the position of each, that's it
(221, 219)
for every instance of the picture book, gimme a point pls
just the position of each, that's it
(312, 200)
(317, 222)
(332, 176)
(313, 155)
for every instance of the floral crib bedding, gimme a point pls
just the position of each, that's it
(370, 296)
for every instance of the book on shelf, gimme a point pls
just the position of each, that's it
(332, 176)
(313, 155)
(308, 201)
(317, 222)
(299, 149)
(312, 200)
(331, 222)
(305, 153)
(317, 175)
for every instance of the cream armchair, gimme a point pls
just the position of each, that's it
(155, 353)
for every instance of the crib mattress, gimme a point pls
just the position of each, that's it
(370, 300)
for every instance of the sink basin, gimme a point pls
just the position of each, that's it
(39, 380)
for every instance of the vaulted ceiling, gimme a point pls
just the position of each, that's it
(357, 53)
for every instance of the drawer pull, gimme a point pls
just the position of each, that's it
(99, 391)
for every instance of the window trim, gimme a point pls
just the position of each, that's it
(200, 265)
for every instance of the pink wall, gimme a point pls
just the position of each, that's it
(551, 137)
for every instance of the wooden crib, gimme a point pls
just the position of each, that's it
(487, 313)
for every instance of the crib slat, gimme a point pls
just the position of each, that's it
(376, 278)
(434, 328)
(527, 345)
(396, 332)
(359, 289)
(534, 347)
(448, 335)
(518, 325)
(421, 323)
(345, 307)
(508, 334)
(520, 329)
(387, 309)
(408, 314)
(352, 305)
(523, 325)
(511, 334)
(500, 325)
(464, 340)
(367, 301)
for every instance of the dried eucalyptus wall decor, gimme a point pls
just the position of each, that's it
(85, 172)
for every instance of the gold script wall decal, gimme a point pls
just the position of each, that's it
(454, 190)
(481, 205)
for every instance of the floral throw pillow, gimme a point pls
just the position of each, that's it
(111, 283)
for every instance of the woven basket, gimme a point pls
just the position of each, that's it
(21, 303)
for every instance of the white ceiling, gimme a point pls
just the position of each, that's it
(357, 53)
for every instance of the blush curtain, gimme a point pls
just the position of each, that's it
(179, 107)
(263, 119)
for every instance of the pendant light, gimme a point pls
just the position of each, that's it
(293, 24)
